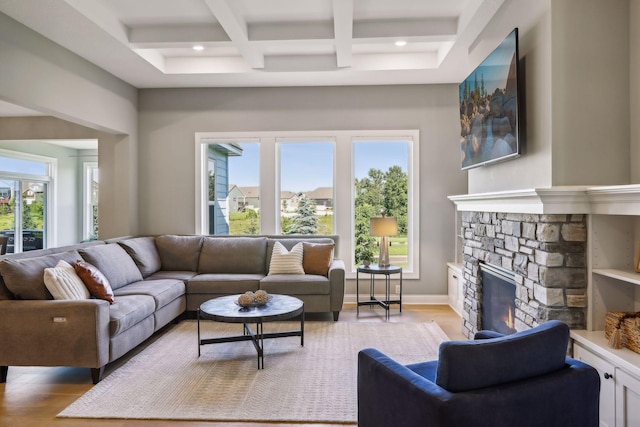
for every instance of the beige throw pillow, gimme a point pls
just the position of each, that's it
(64, 283)
(285, 262)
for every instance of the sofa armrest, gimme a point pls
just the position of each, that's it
(336, 281)
(54, 333)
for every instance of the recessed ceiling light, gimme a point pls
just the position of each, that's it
(198, 47)
(401, 43)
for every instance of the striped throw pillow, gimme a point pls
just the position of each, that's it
(285, 262)
(64, 283)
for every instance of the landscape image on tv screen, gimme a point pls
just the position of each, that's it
(489, 108)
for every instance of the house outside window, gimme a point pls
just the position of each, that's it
(306, 186)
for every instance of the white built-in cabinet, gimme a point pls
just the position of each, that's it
(454, 286)
(454, 269)
(614, 238)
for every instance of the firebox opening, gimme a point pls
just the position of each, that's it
(498, 298)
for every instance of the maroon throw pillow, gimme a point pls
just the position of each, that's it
(95, 281)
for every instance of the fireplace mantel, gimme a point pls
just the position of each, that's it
(619, 200)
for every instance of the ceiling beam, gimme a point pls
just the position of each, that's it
(236, 28)
(158, 36)
(104, 18)
(474, 19)
(343, 31)
(417, 27)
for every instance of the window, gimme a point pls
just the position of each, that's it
(233, 187)
(381, 187)
(90, 201)
(306, 186)
(286, 167)
(25, 187)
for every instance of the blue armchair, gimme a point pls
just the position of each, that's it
(523, 379)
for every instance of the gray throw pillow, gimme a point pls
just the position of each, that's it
(144, 253)
(179, 253)
(114, 262)
(25, 277)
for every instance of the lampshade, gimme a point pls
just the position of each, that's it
(384, 226)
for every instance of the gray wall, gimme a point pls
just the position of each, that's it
(634, 89)
(575, 62)
(41, 75)
(169, 118)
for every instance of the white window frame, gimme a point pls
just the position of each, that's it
(413, 237)
(87, 189)
(344, 195)
(50, 236)
(289, 140)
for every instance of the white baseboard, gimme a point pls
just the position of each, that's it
(408, 299)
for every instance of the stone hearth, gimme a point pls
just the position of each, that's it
(547, 253)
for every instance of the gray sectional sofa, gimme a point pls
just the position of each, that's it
(155, 280)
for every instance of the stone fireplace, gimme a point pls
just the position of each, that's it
(545, 252)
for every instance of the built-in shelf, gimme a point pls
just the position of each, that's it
(596, 342)
(628, 276)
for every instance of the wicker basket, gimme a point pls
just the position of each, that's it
(629, 324)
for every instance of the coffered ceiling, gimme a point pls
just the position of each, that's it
(150, 43)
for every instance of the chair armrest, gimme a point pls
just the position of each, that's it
(336, 282)
(54, 333)
(391, 394)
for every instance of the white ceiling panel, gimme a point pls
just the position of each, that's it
(149, 43)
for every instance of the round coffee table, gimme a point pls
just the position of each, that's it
(226, 309)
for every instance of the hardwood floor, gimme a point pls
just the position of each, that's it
(33, 396)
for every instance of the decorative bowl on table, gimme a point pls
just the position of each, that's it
(253, 299)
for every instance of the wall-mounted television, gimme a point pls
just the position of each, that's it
(489, 108)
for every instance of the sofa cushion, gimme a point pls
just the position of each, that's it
(178, 275)
(144, 253)
(224, 283)
(243, 255)
(63, 282)
(114, 262)
(25, 277)
(296, 284)
(179, 253)
(469, 365)
(95, 281)
(317, 257)
(129, 310)
(286, 262)
(162, 291)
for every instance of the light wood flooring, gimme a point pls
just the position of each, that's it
(33, 396)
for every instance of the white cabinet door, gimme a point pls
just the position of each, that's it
(607, 384)
(454, 289)
(627, 399)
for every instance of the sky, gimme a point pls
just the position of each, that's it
(307, 166)
(495, 68)
(24, 166)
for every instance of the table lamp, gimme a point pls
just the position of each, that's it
(384, 227)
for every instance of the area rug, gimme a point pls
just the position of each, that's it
(314, 383)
